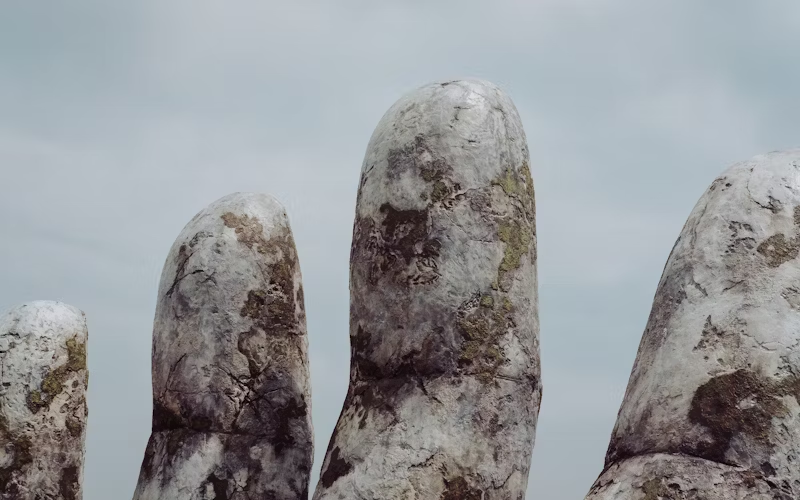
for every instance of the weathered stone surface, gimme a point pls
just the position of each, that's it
(680, 477)
(43, 379)
(445, 379)
(717, 375)
(231, 395)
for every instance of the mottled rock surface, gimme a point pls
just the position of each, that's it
(43, 379)
(445, 379)
(717, 375)
(231, 395)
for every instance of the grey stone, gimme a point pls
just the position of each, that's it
(43, 379)
(717, 375)
(445, 379)
(231, 394)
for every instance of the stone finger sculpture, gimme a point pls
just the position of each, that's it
(231, 397)
(43, 379)
(445, 380)
(711, 409)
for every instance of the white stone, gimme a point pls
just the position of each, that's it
(43, 379)
(717, 375)
(231, 393)
(445, 379)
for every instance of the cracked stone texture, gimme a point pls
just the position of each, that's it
(445, 380)
(717, 375)
(43, 412)
(231, 393)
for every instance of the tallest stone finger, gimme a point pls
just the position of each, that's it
(445, 379)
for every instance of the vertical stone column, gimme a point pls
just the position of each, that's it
(445, 380)
(43, 379)
(711, 410)
(231, 396)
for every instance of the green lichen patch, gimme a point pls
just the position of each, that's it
(517, 238)
(76, 355)
(482, 323)
(519, 185)
(440, 191)
(53, 381)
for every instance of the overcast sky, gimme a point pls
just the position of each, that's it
(121, 120)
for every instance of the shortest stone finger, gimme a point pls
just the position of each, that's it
(42, 401)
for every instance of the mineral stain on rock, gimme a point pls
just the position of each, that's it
(778, 249)
(458, 489)
(231, 388)
(733, 404)
(443, 316)
(337, 467)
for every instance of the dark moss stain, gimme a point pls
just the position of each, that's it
(400, 249)
(740, 243)
(220, 486)
(337, 467)
(778, 250)
(74, 426)
(254, 305)
(379, 397)
(273, 309)
(419, 158)
(404, 231)
(360, 353)
(669, 296)
(175, 439)
(69, 485)
(180, 260)
(165, 418)
(22, 457)
(284, 437)
(738, 403)
(459, 489)
(148, 462)
(53, 382)
(300, 300)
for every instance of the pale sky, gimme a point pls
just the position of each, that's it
(121, 120)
